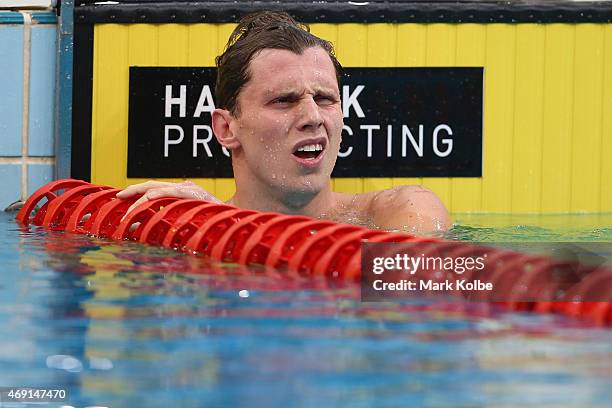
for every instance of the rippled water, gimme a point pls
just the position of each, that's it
(508, 228)
(124, 325)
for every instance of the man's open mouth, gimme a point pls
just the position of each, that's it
(309, 152)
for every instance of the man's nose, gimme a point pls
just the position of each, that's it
(310, 114)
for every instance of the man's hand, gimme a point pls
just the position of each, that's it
(151, 190)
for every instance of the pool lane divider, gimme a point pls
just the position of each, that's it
(302, 245)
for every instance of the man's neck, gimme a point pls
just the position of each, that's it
(311, 205)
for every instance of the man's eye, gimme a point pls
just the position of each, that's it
(324, 100)
(282, 100)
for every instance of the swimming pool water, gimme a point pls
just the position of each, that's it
(548, 228)
(125, 325)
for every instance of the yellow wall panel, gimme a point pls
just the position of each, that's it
(224, 188)
(411, 45)
(586, 135)
(557, 118)
(547, 103)
(498, 118)
(110, 105)
(527, 138)
(223, 33)
(372, 183)
(327, 31)
(382, 45)
(142, 44)
(606, 131)
(208, 184)
(173, 44)
(348, 185)
(202, 48)
(441, 40)
(351, 43)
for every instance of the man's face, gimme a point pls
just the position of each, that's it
(289, 122)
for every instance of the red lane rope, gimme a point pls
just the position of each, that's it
(108, 217)
(304, 246)
(257, 247)
(131, 226)
(90, 206)
(315, 246)
(331, 259)
(213, 229)
(49, 192)
(290, 239)
(60, 209)
(231, 243)
(187, 224)
(156, 229)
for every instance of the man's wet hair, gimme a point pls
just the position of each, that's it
(256, 32)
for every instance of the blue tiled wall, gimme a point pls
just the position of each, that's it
(42, 90)
(39, 174)
(11, 86)
(38, 163)
(10, 174)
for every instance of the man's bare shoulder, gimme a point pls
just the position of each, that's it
(405, 208)
(348, 208)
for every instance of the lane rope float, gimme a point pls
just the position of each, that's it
(305, 246)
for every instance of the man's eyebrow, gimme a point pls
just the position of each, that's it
(286, 94)
(292, 94)
(327, 92)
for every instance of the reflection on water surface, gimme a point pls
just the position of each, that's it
(126, 325)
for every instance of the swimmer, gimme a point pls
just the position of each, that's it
(279, 114)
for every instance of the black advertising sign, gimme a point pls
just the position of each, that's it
(398, 122)
(411, 122)
(169, 130)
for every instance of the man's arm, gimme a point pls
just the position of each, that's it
(409, 208)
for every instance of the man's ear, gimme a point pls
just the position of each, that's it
(222, 127)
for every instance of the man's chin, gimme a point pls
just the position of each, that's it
(304, 190)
